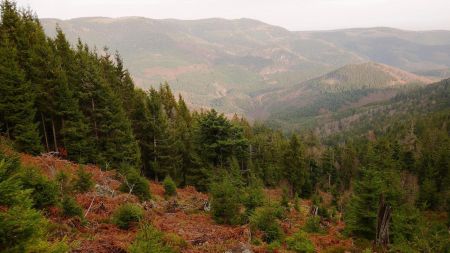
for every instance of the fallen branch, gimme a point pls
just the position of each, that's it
(126, 182)
(90, 206)
(314, 210)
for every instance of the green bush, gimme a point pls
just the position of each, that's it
(324, 212)
(274, 246)
(50, 247)
(149, 239)
(175, 242)
(139, 183)
(22, 228)
(253, 198)
(300, 243)
(70, 207)
(297, 203)
(11, 192)
(336, 249)
(367, 250)
(44, 192)
(225, 203)
(285, 196)
(256, 241)
(313, 225)
(126, 214)
(63, 180)
(413, 232)
(170, 188)
(316, 199)
(265, 219)
(10, 165)
(83, 182)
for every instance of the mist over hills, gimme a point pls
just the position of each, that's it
(235, 65)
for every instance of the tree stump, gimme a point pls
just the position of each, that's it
(313, 210)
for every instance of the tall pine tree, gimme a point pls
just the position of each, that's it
(163, 156)
(296, 171)
(17, 102)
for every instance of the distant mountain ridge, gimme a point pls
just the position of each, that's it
(368, 75)
(231, 64)
(379, 109)
(377, 117)
(350, 86)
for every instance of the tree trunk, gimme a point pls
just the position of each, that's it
(383, 218)
(329, 180)
(45, 132)
(7, 131)
(93, 117)
(54, 135)
(154, 149)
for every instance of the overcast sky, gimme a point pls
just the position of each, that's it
(291, 14)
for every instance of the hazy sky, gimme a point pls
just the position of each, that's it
(291, 14)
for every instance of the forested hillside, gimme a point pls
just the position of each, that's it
(226, 64)
(378, 117)
(349, 88)
(91, 163)
(356, 112)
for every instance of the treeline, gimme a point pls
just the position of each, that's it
(406, 106)
(409, 166)
(84, 105)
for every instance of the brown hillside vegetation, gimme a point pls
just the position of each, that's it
(181, 217)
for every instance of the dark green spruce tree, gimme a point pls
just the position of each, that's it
(190, 166)
(163, 156)
(17, 102)
(295, 167)
(75, 135)
(113, 135)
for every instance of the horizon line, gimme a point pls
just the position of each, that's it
(253, 19)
